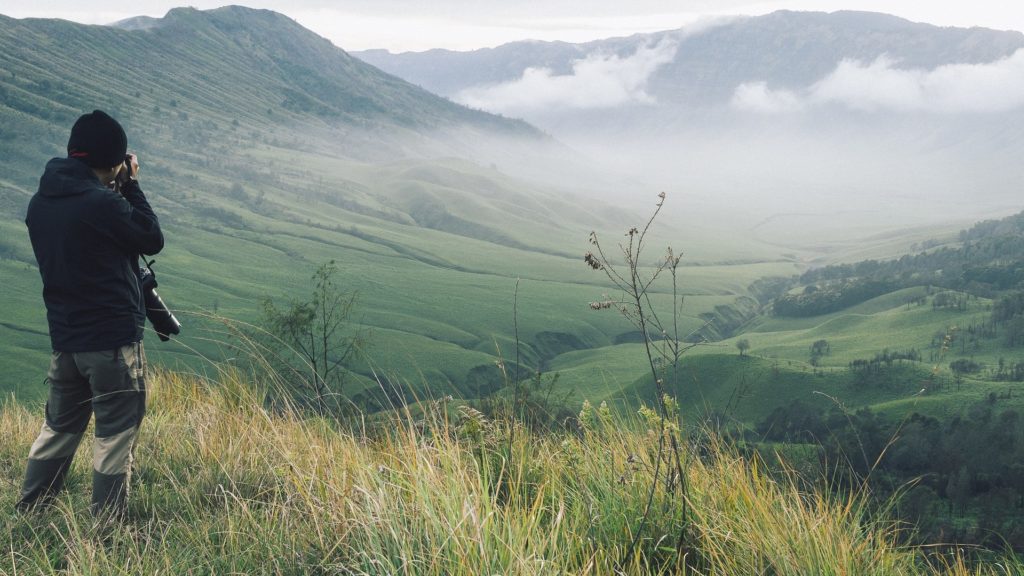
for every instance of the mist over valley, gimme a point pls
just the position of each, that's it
(857, 120)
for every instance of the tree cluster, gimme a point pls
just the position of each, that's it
(989, 260)
(1008, 313)
(830, 297)
(879, 371)
(818, 349)
(967, 472)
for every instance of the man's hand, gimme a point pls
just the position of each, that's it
(125, 172)
(132, 162)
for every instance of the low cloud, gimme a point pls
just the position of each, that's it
(597, 81)
(879, 86)
(757, 97)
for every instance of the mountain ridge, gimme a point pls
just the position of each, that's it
(291, 76)
(490, 65)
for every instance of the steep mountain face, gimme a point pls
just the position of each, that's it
(306, 73)
(248, 68)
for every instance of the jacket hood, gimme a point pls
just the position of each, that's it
(67, 177)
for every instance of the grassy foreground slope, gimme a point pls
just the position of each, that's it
(223, 486)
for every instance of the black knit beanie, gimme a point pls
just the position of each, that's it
(98, 140)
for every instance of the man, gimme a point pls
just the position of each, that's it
(88, 224)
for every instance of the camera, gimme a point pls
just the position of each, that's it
(125, 175)
(163, 321)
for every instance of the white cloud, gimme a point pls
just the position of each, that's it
(756, 97)
(879, 86)
(596, 81)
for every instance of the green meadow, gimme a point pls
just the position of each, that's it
(437, 303)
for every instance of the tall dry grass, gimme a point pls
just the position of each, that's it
(226, 486)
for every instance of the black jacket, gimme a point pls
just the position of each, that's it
(87, 240)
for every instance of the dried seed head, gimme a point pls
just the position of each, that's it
(592, 261)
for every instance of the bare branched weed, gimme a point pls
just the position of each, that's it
(663, 347)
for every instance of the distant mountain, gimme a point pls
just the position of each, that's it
(785, 49)
(847, 115)
(447, 72)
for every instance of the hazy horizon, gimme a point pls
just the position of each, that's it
(405, 25)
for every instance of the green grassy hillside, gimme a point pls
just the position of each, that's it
(265, 159)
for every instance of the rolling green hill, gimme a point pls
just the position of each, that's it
(778, 369)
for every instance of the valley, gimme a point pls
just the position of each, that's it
(255, 194)
(805, 289)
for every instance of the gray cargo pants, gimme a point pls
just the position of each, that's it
(110, 383)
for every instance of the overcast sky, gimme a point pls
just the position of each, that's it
(400, 25)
